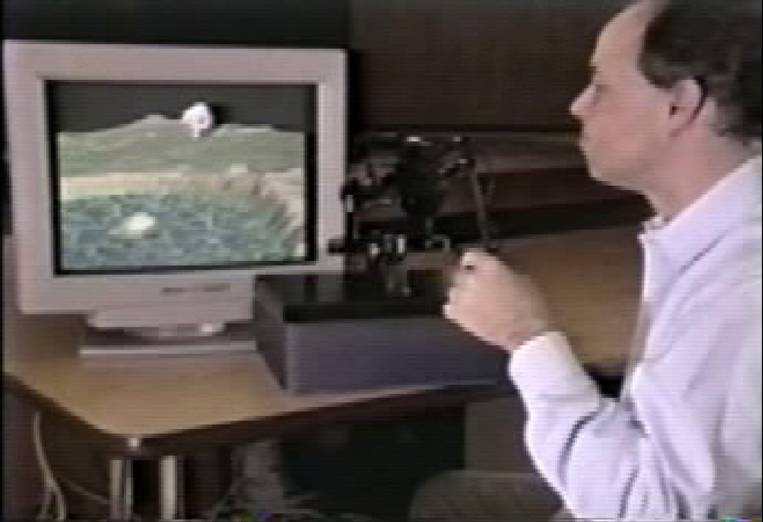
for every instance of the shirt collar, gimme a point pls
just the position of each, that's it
(731, 200)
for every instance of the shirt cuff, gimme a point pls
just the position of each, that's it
(545, 365)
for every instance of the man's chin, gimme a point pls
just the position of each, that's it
(596, 175)
(610, 178)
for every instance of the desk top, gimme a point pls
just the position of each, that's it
(158, 405)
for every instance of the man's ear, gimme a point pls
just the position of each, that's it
(687, 101)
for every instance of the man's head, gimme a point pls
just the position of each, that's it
(670, 77)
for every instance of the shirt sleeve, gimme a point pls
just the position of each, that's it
(653, 454)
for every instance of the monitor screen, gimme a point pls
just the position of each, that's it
(140, 185)
(150, 184)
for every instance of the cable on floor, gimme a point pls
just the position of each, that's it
(52, 488)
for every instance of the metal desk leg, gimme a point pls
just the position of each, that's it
(120, 489)
(169, 488)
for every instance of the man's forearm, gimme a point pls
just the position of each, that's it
(591, 449)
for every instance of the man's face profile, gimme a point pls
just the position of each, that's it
(620, 111)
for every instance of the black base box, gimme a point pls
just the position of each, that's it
(341, 332)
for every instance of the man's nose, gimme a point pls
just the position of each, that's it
(577, 106)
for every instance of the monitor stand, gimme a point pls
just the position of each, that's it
(195, 339)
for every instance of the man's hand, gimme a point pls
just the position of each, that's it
(494, 303)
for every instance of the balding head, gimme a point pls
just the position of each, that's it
(621, 40)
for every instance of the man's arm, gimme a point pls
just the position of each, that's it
(653, 456)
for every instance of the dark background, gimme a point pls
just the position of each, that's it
(272, 22)
(452, 64)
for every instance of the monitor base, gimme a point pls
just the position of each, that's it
(234, 338)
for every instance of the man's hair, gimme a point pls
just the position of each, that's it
(717, 43)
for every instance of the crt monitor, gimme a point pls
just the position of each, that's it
(151, 183)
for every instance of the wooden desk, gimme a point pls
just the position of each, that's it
(163, 407)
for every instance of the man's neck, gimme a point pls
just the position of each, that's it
(687, 177)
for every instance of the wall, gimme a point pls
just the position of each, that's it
(272, 22)
(446, 63)
(472, 64)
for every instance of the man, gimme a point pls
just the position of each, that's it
(673, 112)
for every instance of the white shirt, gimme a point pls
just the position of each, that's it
(684, 439)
